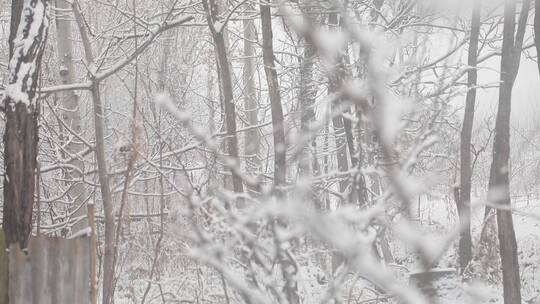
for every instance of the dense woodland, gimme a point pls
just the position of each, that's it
(306, 151)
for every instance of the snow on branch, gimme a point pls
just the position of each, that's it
(28, 48)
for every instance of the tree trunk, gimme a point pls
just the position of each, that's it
(464, 197)
(306, 98)
(252, 138)
(70, 107)
(217, 28)
(16, 9)
(499, 191)
(110, 230)
(106, 196)
(288, 268)
(335, 82)
(280, 148)
(22, 112)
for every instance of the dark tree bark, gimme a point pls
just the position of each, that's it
(308, 164)
(288, 267)
(334, 84)
(307, 102)
(464, 197)
(343, 132)
(216, 28)
(280, 148)
(499, 191)
(22, 112)
(16, 9)
(306, 98)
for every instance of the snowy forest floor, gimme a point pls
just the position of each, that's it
(184, 281)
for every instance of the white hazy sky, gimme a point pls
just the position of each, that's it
(525, 97)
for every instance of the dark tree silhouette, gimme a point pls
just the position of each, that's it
(499, 188)
(28, 34)
(464, 198)
(280, 160)
(217, 28)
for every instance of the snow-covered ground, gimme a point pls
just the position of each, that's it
(439, 218)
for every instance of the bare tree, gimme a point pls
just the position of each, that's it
(251, 107)
(288, 267)
(280, 148)
(308, 164)
(28, 34)
(335, 81)
(217, 27)
(464, 197)
(368, 92)
(106, 195)
(499, 183)
(69, 101)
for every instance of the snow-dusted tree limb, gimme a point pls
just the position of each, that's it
(102, 75)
